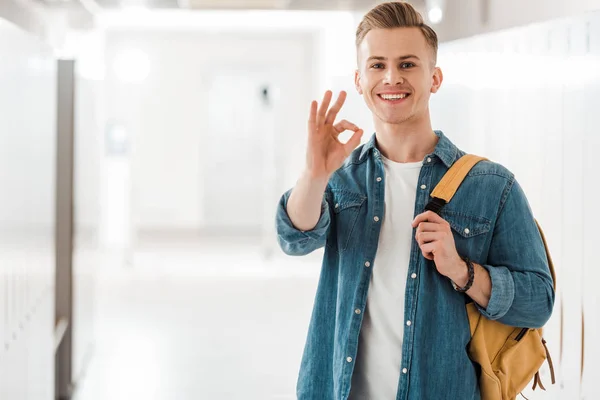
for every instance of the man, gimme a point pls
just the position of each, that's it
(389, 319)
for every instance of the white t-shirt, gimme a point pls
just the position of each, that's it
(377, 369)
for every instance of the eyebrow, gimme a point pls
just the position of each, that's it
(401, 58)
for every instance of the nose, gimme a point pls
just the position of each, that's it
(393, 77)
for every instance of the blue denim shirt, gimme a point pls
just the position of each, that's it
(492, 224)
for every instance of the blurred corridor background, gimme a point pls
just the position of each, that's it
(144, 145)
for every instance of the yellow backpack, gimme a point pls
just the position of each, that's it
(510, 357)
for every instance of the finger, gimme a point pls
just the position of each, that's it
(428, 250)
(344, 125)
(428, 237)
(353, 142)
(428, 227)
(336, 108)
(323, 108)
(312, 118)
(427, 216)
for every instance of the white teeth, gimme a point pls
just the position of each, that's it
(393, 96)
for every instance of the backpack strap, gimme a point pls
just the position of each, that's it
(549, 362)
(448, 185)
(550, 262)
(537, 380)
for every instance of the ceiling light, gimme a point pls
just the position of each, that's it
(435, 15)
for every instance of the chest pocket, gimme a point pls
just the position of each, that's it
(346, 210)
(470, 232)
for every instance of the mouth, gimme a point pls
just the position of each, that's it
(393, 98)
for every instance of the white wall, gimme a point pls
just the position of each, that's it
(528, 98)
(89, 151)
(87, 215)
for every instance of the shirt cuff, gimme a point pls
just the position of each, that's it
(291, 232)
(503, 293)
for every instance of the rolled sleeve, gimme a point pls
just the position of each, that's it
(522, 288)
(503, 292)
(294, 241)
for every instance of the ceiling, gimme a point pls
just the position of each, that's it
(357, 5)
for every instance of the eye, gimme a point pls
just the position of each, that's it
(378, 66)
(405, 65)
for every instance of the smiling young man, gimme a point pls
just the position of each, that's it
(389, 319)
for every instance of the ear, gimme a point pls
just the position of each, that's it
(357, 82)
(437, 79)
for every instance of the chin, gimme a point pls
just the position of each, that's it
(395, 119)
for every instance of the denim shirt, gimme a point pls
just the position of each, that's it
(492, 224)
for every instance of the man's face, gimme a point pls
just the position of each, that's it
(396, 74)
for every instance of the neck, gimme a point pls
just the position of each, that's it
(406, 142)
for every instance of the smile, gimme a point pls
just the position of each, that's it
(393, 97)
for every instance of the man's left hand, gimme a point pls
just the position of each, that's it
(436, 242)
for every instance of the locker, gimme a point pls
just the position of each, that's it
(572, 216)
(590, 275)
(28, 81)
(474, 126)
(503, 74)
(491, 97)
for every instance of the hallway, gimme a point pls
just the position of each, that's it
(144, 149)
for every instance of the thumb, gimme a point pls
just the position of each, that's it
(353, 142)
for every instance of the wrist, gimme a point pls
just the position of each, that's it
(315, 177)
(461, 273)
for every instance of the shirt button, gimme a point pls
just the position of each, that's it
(408, 323)
(428, 159)
(414, 276)
(367, 264)
(467, 231)
(404, 370)
(349, 359)
(357, 311)
(378, 179)
(423, 187)
(376, 219)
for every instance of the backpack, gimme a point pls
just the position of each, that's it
(509, 357)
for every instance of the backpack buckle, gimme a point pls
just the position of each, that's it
(436, 204)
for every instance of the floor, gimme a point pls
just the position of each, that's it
(200, 320)
(215, 319)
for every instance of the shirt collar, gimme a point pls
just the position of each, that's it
(445, 150)
(368, 147)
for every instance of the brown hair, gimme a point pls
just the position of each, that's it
(396, 14)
